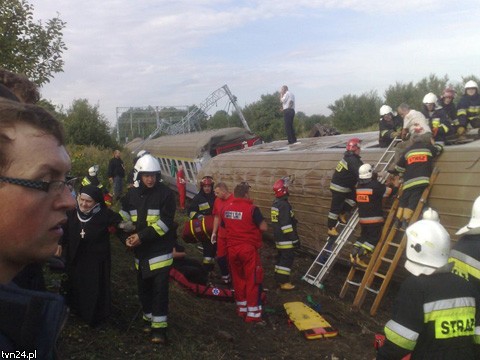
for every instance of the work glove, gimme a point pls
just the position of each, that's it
(127, 226)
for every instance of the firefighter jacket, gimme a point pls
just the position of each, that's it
(345, 176)
(284, 224)
(389, 130)
(369, 196)
(438, 122)
(434, 317)
(31, 321)
(152, 211)
(240, 223)
(450, 111)
(417, 164)
(466, 258)
(201, 204)
(468, 110)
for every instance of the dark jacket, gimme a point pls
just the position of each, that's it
(116, 168)
(388, 130)
(417, 164)
(468, 110)
(30, 320)
(369, 196)
(438, 122)
(418, 326)
(152, 211)
(201, 204)
(466, 256)
(345, 176)
(284, 224)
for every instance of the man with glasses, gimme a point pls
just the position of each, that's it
(35, 198)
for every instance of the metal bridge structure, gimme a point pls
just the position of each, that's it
(189, 123)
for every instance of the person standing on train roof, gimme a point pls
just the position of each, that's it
(285, 234)
(219, 235)
(342, 186)
(468, 109)
(288, 107)
(181, 186)
(446, 102)
(390, 126)
(200, 206)
(437, 118)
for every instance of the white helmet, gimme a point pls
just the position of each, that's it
(385, 109)
(147, 163)
(428, 247)
(365, 171)
(473, 227)
(430, 98)
(430, 214)
(471, 84)
(141, 153)
(93, 170)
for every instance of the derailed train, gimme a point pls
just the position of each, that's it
(310, 166)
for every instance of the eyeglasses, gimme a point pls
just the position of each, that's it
(51, 187)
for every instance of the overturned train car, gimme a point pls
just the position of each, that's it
(310, 166)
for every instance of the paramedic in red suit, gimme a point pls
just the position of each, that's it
(244, 224)
(181, 186)
(223, 197)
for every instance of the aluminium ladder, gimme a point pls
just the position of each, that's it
(388, 257)
(334, 244)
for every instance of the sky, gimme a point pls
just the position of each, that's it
(132, 53)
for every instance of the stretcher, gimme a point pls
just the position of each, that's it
(308, 321)
(198, 230)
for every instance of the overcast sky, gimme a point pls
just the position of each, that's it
(124, 53)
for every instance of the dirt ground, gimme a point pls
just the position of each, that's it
(201, 328)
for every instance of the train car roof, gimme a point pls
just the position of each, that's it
(192, 145)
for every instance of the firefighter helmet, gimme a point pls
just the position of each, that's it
(353, 144)
(448, 92)
(471, 84)
(385, 109)
(473, 227)
(93, 170)
(365, 171)
(428, 247)
(430, 214)
(430, 98)
(141, 153)
(146, 164)
(206, 180)
(280, 188)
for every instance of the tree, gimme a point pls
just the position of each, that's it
(84, 125)
(352, 112)
(30, 48)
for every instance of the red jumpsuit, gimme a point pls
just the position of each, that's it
(181, 186)
(244, 239)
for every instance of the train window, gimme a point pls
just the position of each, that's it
(164, 165)
(189, 173)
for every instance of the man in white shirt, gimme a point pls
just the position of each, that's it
(288, 107)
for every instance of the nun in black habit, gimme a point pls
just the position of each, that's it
(85, 246)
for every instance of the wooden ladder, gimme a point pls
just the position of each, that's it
(388, 257)
(352, 278)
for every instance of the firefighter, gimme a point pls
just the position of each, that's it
(390, 126)
(468, 109)
(92, 179)
(222, 198)
(369, 195)
(285, 234)
(434, 315)
(416, 165)
(437, 118)
(151, 206)
(466, 252)
(446, 102)
(244, 224)
(342, 186)
(200, 206)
